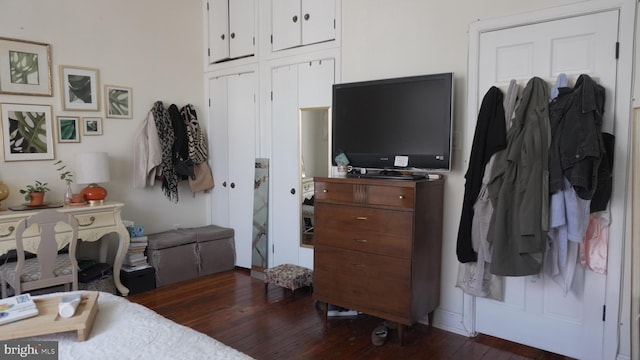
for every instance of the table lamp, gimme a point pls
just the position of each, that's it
(93, 168)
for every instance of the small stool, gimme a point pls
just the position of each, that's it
(288, 276)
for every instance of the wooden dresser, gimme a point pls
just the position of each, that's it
(378, 246)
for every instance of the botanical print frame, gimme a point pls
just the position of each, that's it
(68, 129)
(19, 122)
(25, 67)
(92, 126)
(79, 88)
(119, 101)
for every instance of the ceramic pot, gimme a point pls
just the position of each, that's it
(36, 198)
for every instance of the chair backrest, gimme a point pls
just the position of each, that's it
(47, 250)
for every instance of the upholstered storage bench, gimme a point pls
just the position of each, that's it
(174, 256)
(215, 247)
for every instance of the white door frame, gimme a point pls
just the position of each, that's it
(621, 128)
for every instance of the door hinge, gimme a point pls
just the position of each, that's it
(272, 96)
(209, 52)
(273, 248)
(334, 22)
(209, 102)
(254, 41)
(604, 312)
(271, 38)
(207, 6)
(617, 50)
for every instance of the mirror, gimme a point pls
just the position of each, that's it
(314, 150)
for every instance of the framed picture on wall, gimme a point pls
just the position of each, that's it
(92, 126)
(19, 124)
(25, 67)
(119, 100)
(79, 88)
(68, 129)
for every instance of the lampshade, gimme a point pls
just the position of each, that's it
(93, 168)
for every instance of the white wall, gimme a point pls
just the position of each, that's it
(155, 47)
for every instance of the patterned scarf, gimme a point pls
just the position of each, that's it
(197, 138)
(167, 137)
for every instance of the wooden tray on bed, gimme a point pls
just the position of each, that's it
(48, 321)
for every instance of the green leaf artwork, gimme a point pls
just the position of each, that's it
(28, 133)
(118, 102)
(23, 68)
(67, 129)
(79, 88)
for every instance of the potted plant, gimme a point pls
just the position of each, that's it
(35, 193)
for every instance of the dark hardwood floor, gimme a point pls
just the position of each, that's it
(233, 308)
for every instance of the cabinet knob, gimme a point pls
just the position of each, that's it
(295, 18)
(10, 230)
(224, 184)
(325, 190)
(233, 185)
(292, 191)
(222, 36)
(401, 197)
(306, 16)
(233, 35)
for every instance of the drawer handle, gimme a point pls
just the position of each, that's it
(325, 191)
(11, 228)
(361, 218)
(401, 197)
(91, 220)
(360, 240)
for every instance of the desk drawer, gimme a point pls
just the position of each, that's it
(95, 219)
(381, 195)
(357, 279)
(378, 231)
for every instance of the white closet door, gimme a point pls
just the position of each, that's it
(285, 172)
(318, 21)
(218, 150)
(286, 24)
(534, 311)
(242, 157)
(218, 30)
(241, 28)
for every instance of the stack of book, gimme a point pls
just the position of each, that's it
(135, 259)
(17, 308)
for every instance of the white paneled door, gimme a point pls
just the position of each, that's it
(535, 311)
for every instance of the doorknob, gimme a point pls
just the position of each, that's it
(233, 185)
(306, 16)
(233, 35)
(292, 191)
(222, 36)
(224, 184)
(295, 18)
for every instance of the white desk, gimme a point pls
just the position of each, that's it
(93, 222)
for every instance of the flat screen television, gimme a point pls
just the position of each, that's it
(400, 123)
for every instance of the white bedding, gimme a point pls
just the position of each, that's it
(125, 330)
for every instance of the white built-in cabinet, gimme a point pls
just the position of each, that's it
(253, 48)
(294, 87)
(231, 29)
(232, 148)
(302, 22)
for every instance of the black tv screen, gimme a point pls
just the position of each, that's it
(398, 123)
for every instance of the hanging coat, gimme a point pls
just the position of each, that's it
(519, 188)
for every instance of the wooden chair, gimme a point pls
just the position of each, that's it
(48, 268)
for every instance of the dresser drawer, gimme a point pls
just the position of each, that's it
(378, 231)
(364, 282)
(380, 195)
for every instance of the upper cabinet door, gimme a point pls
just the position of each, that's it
(231, 29)
(318, 21)
(315, 83)
(302, 22)
(241, 28)
(218, 30)
(287, 32)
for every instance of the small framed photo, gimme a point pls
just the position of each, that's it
(27, 132)
(68, 129)
(92, 126)
(79, 88)
(25, 67)
(119, 100)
